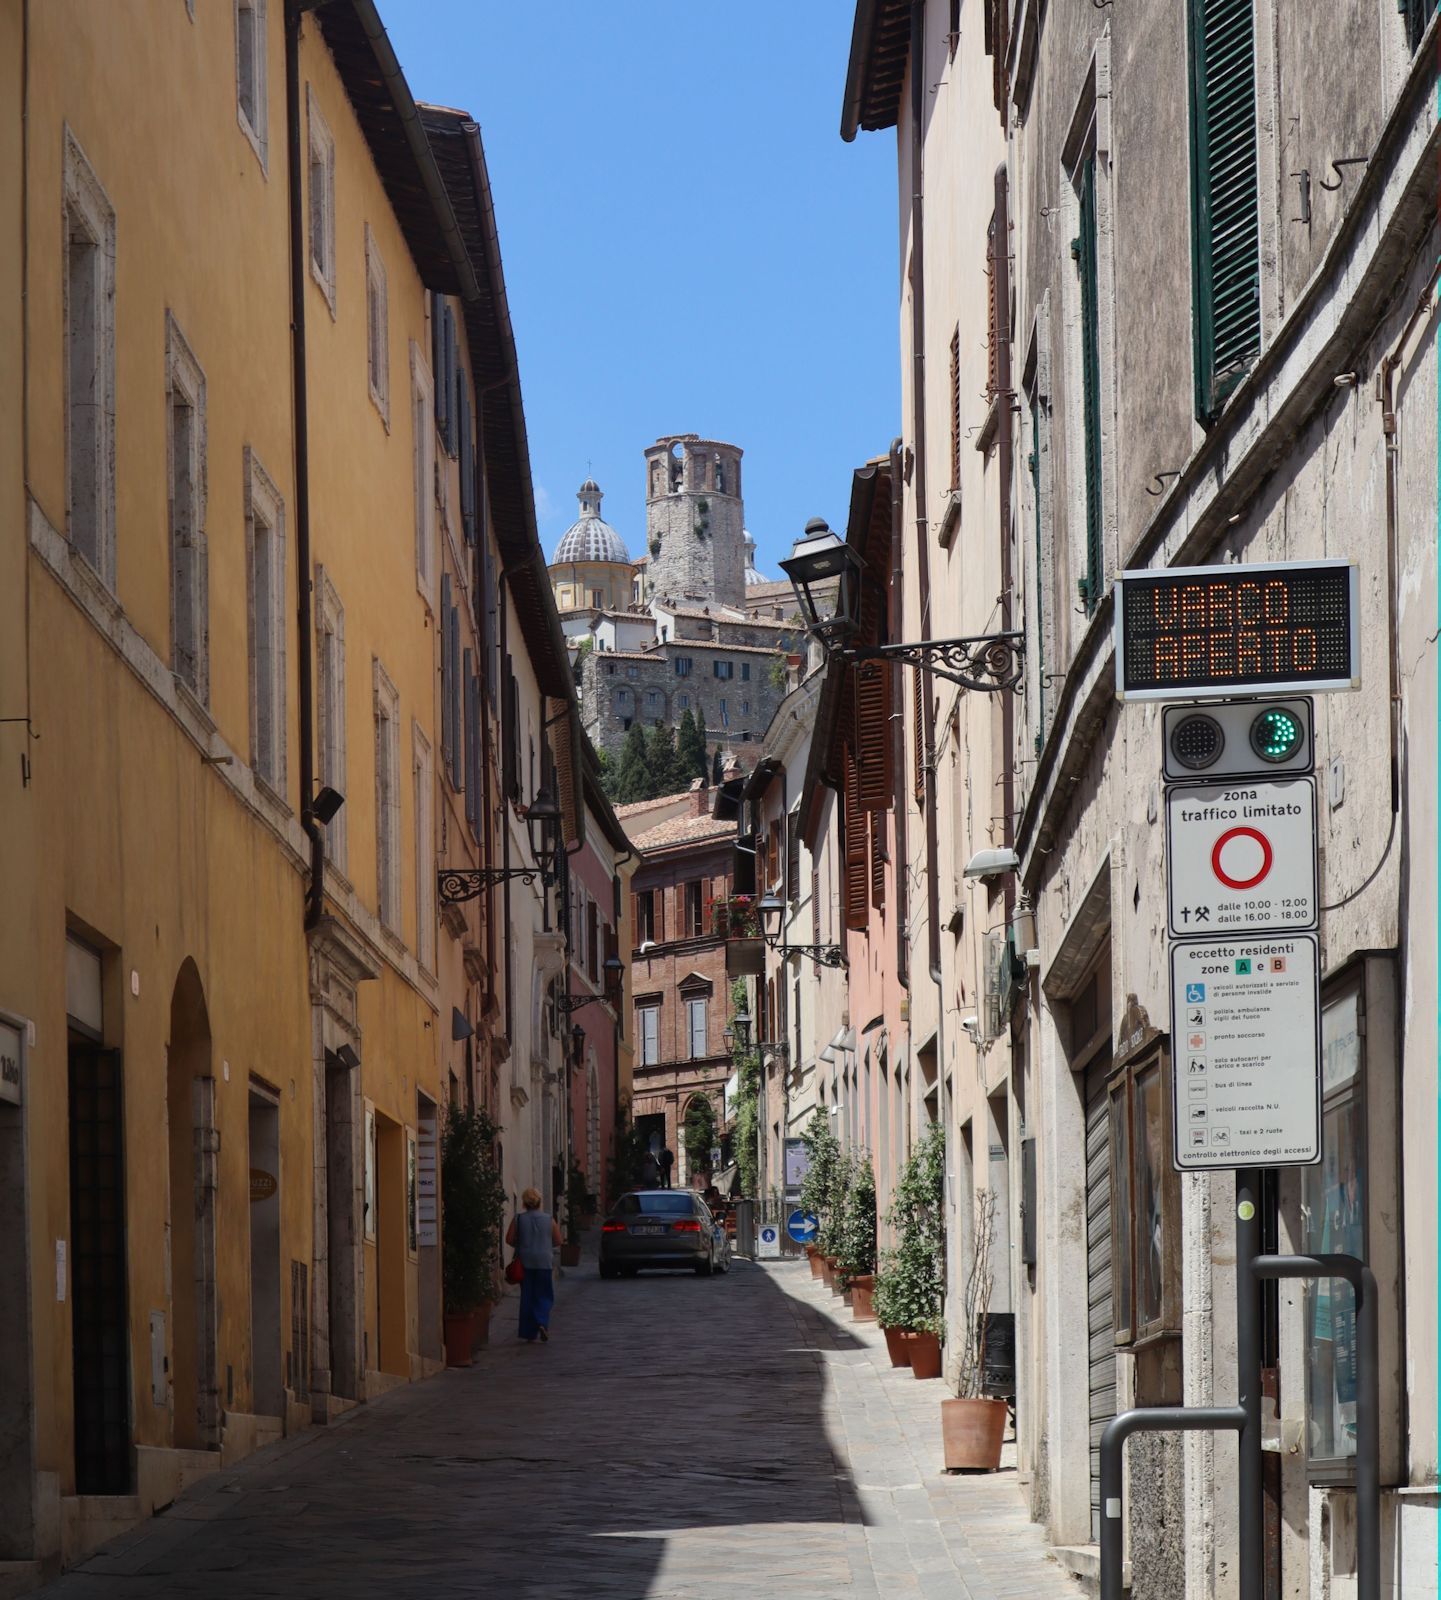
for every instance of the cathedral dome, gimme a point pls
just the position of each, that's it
(752, 575)
(590, 538)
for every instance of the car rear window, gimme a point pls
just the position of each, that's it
(660, 1202)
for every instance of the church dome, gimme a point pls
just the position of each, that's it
(590, 538)
(752, 575)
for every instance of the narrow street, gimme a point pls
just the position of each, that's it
(734, 1438)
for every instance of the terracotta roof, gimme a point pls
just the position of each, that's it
(632, 806)
(875, 73)
(683, 830)
(711, 644)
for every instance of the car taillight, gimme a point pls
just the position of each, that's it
(613, 1227)
(690, 1226)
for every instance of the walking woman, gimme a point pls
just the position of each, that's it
(531, 1235)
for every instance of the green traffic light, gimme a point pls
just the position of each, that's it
(1276, 734)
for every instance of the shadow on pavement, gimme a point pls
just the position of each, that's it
(668, 1416)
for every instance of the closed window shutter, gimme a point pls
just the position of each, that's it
(1084, 250)
(511, 769)
(447, 723)
(793, 857)
(993, 321)
(956, 408)
(635, 928)
(815, 906)
(472, 752)
(467, 460)
(707, 912)
(457, 753)
(451, 363)
(918, 751)
(856, 873)
(439, 317)
(878, 859)
(871, 739)
(1225, 224)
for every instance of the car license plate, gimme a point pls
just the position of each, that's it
(644, 1229)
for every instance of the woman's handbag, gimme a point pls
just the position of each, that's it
(514, 1272)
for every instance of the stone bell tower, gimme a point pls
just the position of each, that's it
(695, 521)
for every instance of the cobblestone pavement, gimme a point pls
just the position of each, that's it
(734, 1439)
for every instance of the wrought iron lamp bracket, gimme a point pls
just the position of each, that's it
(824, 955)
(986, 663)
(459, 884)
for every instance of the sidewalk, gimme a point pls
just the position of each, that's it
(924, 1529)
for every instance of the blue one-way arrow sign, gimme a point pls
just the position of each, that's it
(802, 1226)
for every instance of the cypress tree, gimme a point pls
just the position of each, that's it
(690, 748)
(633, 775)
(665, 768)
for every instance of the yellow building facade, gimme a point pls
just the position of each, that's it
(221, 1022)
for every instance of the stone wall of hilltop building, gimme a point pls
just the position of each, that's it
(695, 521)
(661, 684)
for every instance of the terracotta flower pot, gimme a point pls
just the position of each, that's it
(459, 1337)
(862, 1308)
(818, 1262)
(897, 1346)
(925, 1355)
(971, 1434)
(570, 1255)
(828, 1271)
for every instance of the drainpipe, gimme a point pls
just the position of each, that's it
(923, 538)
(315, 887)
(1005, 443)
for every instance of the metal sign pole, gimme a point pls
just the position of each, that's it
(1250, 1502)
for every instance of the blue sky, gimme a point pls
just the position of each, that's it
(689, 247)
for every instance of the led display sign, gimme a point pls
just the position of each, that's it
(1197, 632)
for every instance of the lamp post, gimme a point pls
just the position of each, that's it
(542, 820)
(771, 906)
(826, 573)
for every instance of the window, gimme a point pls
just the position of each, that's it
(1225, 213)
(1418, 14)
(648, 1032)
(185, 456)
(682, 702)
(387, 799)
(695, 909)
(647, 921)
(1145, 1202)
(695, 1028)
(250, 76)
(330, 705)
(683, 666)
(322, 201)
(652, 701)
(632, 672)
(377, 329)
(724, 715)
(90, 364)
(723, 669)
(445, 360)
(424, 775)
(423, 418)
(745, 708)
(592, 941)
(745, 672)
(265, 554)
(1084, 249)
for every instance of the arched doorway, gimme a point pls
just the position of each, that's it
(194, 1175)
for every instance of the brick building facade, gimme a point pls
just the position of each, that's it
(680, 991)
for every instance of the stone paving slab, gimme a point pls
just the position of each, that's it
(730, 1439)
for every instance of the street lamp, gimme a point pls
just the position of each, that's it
(770, 908)
(542, 819)
(825, 572)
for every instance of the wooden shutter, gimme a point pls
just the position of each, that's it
(457, 683)
(873, 736)
(878, 859)
(439, 315)
(707, 910)
(956, 408)
(1225, 227)
(467, 458)
(1084, 251)
(511, 758)
(815, 906)
(447, 721)
(635, 919)
(856, 873)
(993, 320)
(918, 710)
(472, 746)
(793, 856)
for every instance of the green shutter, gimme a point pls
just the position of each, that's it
(1037, 629)
(1225, 227)
(1093, 584)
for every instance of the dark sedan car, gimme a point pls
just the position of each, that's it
(661, 1228)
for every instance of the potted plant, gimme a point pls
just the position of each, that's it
(822, 1190)
(973, 1425)
(885, 1302)
(580, 1204)
(856, 1239)
(916, 1267)
(473, 1207)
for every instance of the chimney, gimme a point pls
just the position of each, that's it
(699, 798)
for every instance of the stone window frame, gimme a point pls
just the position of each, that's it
(1089, 135)
(320, 228)
(389, 878)
(86, 212)
(189, 556)
(377, 328)
(266, 633)
(423, 775)
(422, 410)
(256, 128)
(330, 708)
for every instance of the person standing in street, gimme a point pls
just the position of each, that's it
(532, 1235)
(667, 1161)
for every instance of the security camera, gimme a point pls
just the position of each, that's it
(972, 1024)
(992, 864)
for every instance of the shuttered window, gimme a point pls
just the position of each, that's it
(454, 689)
(467, 458)
(1225, 229)
(878, 860)
(856, 840)
(1037, 623)
(993, 320)
(918, 751)
(472, 746)
(1418, 14)
(447, 719)
(793, 856)
(1084, 249)
(956, 408)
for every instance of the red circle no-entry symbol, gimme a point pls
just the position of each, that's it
(1257, 837)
